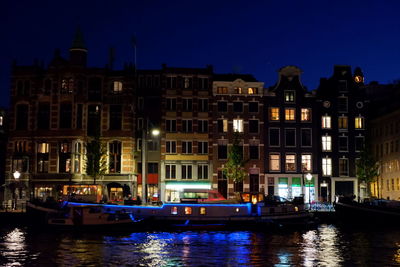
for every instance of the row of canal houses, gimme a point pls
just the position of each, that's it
(286, 131)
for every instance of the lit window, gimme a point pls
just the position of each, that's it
(238, 90)
(342, 121)
(188, 210)
(326, 166)
(253, 91)
(117, 87)
(289, 96)
(222, 90)
(174, 210)
(223, 126)
(290, 162)
(359, 123)
(203, 211)
(326, 143)
(238, 125)
(326, 122)
(305, 114)
(1, 120)
(306, 162)
(290, 114)
(274, 114)
(274, 162)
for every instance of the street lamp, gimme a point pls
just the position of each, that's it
(309, 177)
(16, 175)
(154, 132)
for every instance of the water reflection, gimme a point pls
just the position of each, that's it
(325, 246)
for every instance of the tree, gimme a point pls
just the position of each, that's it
(367, 169)
(96, 163)
(234, 167)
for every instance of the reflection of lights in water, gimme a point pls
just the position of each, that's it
(396, 256)
(310, 248)
(14, 243)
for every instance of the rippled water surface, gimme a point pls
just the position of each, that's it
(326, 245)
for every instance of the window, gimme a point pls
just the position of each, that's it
(186, 147)
(326, 166)
(253, 107)
(170, 147)
(93, 125)
(253, 90)
(326, 122)
(306, 162)
(238, 125)
(188, 82)
(22, 117)
(152, 145)
(203, 105)
(342, 104)
(115, 157)
(326, 143)
(222, 126)
(171, 82)
(171, 126)
(359, 143)
(77, 157)
(187, 126)
(274, 114)
(117, 87)
(187, 104)
(290, 114)
(343, 167)
(65, 116)
(202, 171)
(186, 171)
(342, 85)
(274, 162)
(306, 114)
(174, 210)
(253, 126)
(253, 151)
(43, 157)
(290, 162)
(343, 143)
(238, 90)
(359, 123)
(222, 90)
(202, 147)
(170, 171)
(222, 106)
(203, 83)
(306, 140)
(289, 96)
(171, 104)
(274, 137)
(115, 117)
(152, 167)
(20, 164)
(94, 89)
(64, 158)
(188, 210)
(342, 122)
(140, 103)
(290, 137)
(203, 211)
(79, 114)
(43, 116)
(237, 106)
(1, 120)
(222, 150)
(202, 126)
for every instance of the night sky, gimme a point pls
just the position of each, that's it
(256, 37)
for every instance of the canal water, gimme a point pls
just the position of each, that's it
(325, 245)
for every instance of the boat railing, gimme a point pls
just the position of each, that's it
(320, 206)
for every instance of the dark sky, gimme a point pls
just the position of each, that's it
(256, 37)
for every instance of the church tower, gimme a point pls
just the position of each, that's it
(78, 51)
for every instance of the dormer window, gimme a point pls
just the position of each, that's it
(222, 90)
(289, 96)
(238, 90)
(253, 90)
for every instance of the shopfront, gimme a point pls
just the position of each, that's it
(174, 189)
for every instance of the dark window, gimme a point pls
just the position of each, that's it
(43, 118)
(65, 157)
(290, 137)
(66, 116)
(187, 104)
(253, 107)
(202, 172)
(274, 138)
(152, 167)
(202, 147)
(171, 146)
(253, 126)
(22, 117)
(93, 124)
(222, 151)
(342, 104)
(79, 115)
(152, 145)
(47, 86)
(203, 105)
(237, 106)
(171, 125)
(253, 151)
(171, 104)
(187, 126)
(94, 89)
(360, 143)
(186, 171)
(222, 106)
(306, 137)
(43, 157)
(187, 147)
(343, 144)
(115, 117)
(202, 126)
(115, 157)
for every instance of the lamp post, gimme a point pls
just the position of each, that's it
(324, 185)
(154, 132)
(16, 175)
(309, 177)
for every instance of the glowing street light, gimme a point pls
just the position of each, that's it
(309, 178)
(16, 175)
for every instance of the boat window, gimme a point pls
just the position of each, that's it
(202, 210)
(174, 210)
(188, 210)
(237, 210)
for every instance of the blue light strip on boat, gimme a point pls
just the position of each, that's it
(246, 205)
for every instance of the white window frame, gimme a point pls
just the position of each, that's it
(326, 122)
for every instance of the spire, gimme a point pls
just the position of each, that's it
(78, 42)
